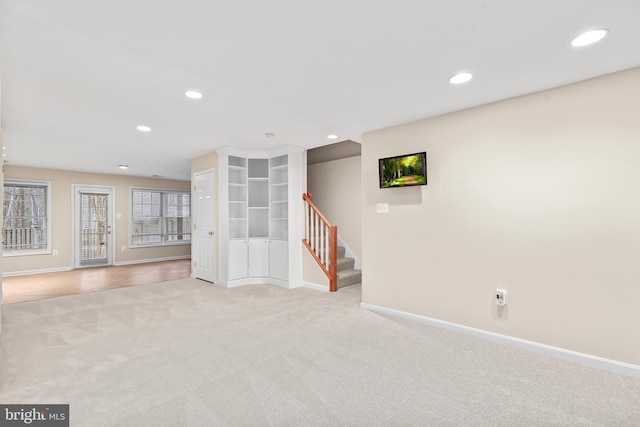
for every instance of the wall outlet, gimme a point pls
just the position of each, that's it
(55, 252)
(501, 297)
(123, 248)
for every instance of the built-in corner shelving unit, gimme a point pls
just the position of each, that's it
(261, 216)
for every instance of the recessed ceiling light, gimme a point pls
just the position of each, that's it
(332, 136)
(589, 37)
(193, 94)
(269, 135)
(124, 166)
(460, 78)
(143, 128)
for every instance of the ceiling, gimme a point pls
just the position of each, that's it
(79, 76)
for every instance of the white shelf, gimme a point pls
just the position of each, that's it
(279, 197)
(237, 202)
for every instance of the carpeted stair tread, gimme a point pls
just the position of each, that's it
(349, 277)
(347, 274)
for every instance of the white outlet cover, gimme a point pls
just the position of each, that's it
(501, 296)
(382, 208)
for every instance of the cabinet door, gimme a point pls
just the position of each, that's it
(279, 259)
(258, 258)
(238, 261)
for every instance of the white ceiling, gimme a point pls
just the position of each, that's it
(79, 76)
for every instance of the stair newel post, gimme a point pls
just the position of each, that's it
(306, 221)
(333, 255)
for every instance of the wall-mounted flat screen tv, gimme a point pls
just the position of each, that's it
(403, 171)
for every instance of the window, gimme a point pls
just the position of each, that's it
(160, 217)
(26, 222)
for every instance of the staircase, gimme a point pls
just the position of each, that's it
(321, 239)
(347, 274)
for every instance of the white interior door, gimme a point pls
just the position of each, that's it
(204, 213)
(93, 226)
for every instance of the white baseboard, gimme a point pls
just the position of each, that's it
(248, 281)
(39, 271)
(144, 261)
(314, 286)
(574, 356)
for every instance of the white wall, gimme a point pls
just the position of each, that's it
(336, 189)
(335, 186)
(537, 195)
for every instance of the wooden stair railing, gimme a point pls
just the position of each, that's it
(321, 239)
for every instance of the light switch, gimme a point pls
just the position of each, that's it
(382, 208)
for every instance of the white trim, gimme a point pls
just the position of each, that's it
(248, 281)
(38, 271)
(163, 243)
(574, 356)
(25, 252)
(207, 227)
(314, 286)
(146, 260)
(36, 182)
(110, 190)
(349, 254)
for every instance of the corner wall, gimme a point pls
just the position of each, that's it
(537, 195)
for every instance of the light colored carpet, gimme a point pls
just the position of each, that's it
(190, 353)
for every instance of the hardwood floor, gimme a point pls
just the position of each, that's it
(48, 285)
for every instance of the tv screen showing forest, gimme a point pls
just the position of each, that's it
(403, 171)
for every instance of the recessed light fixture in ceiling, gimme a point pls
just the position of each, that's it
(332, 136)
(143, 128)
(193, 94)
(589, 37)
(269, 135)
(124, 166)
(461, 77)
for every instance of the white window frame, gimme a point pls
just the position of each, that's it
(27, 252)
(163, 233)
